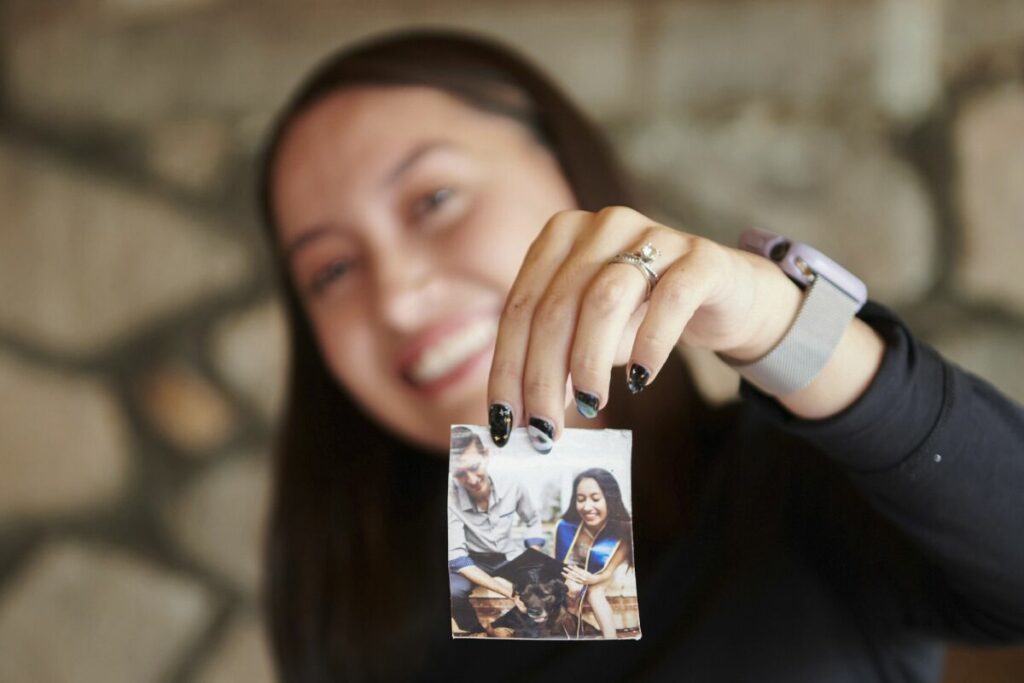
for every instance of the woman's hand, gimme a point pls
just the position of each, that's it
(571, 312)
(580, 576)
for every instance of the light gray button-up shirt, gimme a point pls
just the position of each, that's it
(471, 530)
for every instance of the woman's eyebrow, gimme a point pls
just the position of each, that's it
(413, 157)
(303, 240)
(391, 178)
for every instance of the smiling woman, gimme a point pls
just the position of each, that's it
(402, 187)
(458, 246)
(399, 233)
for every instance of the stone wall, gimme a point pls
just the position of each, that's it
(142, 346)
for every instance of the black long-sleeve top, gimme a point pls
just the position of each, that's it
(843, 549)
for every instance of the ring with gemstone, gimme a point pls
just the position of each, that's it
(642, 261)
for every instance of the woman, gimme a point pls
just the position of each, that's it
(593, 538)
(422, 190)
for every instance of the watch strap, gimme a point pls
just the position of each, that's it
(824, 315)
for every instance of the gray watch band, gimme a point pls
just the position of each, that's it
(811, 340)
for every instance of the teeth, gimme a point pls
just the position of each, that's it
(450, 352)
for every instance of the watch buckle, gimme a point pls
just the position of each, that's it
(805, 268)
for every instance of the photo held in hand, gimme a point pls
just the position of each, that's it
(540, 546)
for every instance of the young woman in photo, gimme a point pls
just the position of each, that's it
(594, 538)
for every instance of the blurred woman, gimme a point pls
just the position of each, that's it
(454, 241)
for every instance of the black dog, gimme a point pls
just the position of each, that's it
(545, 616)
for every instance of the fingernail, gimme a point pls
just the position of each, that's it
(638, 376)
(542, 434)
(500, 418)
(587, 403)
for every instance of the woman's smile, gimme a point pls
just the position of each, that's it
(447, 352)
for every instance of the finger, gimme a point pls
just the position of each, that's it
(681, 290)
(554, 322)
(615, 293)
(504, 391)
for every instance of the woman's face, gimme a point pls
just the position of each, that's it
(404, 216)
(590, 503)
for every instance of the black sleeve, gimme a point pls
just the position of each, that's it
(938, 452)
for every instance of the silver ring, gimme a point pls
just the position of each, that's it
(641, 260)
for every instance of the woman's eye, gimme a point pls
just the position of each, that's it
(328, 275)
(432, 201)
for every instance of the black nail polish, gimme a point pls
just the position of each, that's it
(500, 418)
(587, 404)
(638, 376)
(542, 434)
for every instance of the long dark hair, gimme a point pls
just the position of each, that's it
(618, 525)
(331, 583)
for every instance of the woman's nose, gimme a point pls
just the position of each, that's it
(405, 284)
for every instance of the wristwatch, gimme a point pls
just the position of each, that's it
(832, 296)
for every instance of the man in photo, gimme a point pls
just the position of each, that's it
(482, 509)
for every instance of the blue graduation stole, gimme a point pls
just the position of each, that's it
(602, 549)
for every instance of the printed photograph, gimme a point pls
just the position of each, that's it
(540, 546)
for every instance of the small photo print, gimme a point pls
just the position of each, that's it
(540, 546)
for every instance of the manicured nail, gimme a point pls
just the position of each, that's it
(500, 418)
(638, 376)
(587, 403)
(542, 434)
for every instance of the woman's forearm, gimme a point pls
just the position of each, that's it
(937, 451)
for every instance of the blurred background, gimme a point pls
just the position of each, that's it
(142, 351)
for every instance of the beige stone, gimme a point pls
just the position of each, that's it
(250, 349)
(84, 261)
(186, 408)
(908, 79)
(219, 519)
(243, 655)
(85, 613)
(586, 47)
(75, 66)
(979, 29)
(806, 51)
(990, 150)
(838, 189)
(63, 444)
(189, 152)
(148, 9)
(990, 351)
